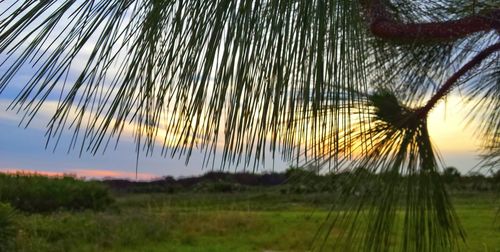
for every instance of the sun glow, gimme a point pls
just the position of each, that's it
(448, 128)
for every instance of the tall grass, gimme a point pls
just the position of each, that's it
(7, 227)
(36, 193)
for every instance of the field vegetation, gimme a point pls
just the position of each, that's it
(38, 194)
(217, 212)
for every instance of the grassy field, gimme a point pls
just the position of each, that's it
(251, 221)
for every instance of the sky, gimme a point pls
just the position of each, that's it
(23, 149)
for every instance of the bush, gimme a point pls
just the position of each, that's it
(7, 227)
(35, 193)
(219, 187)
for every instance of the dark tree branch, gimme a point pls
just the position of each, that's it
(382, 25)
(448, 85)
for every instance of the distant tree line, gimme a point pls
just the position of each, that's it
(209, 182)
(296, 180)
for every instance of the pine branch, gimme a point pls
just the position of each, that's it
(449, 84)
(383, 25)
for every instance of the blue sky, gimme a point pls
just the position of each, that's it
(24, 149)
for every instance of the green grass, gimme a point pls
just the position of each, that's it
(7, 227)
(251, 221)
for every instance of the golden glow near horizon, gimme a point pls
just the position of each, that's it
(447, 126)
(448, 129)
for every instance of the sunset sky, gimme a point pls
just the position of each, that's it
(24, 149)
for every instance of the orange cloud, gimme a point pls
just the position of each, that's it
(89, 173)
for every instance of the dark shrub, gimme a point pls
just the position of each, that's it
(219, 187)
(35, 193)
